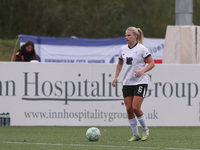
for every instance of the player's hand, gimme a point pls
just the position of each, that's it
(114, 82)
(139, 73)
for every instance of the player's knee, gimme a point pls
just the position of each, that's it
(136, 110)
(129, 110)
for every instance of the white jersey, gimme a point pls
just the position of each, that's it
(134, 60)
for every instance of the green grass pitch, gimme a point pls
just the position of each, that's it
(112, 138)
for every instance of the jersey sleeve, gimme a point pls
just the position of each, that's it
(146, 53)
(120, 54)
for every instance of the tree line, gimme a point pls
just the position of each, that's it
(87, 18)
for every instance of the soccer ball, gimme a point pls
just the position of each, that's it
(93, 134)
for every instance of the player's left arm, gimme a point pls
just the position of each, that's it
(150, 65)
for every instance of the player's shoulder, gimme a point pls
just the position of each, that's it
(141, 45)
(124, 48)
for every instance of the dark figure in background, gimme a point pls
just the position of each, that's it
(26, 53)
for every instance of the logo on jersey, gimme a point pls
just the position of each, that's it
(129, 60)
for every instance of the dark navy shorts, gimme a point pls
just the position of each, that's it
(134, 90)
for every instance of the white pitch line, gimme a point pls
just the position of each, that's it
(106, 146)
(111, 146)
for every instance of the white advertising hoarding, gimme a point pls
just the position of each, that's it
(81, 95)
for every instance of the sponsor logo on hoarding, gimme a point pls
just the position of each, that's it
(96, 90)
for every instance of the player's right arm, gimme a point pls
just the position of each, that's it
(118, 70)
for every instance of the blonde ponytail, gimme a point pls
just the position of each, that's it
(140, 36)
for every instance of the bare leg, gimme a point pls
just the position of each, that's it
(132, 118)
(136, 105)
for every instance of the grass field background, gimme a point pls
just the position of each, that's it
(7, 46)
(112, 138)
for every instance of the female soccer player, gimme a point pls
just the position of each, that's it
(134, 56)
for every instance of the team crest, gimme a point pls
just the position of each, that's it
(129, 60)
